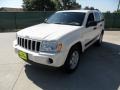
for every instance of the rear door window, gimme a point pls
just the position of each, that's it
(90, 18)
(101, 17)
(97, 17)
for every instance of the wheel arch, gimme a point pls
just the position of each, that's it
(78, 45)
(102, 31)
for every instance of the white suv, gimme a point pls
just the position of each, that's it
(60, 40)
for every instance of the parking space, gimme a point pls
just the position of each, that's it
(99, 68)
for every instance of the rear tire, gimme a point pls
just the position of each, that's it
(72, 60)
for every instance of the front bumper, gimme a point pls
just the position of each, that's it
(43, 58)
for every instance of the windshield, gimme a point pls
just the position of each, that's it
(67, 18)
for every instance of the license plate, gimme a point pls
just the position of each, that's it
(23, 55)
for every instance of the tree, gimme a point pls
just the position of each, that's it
(118, 11)
(38, 5)
(58, 4)
(108, 12)
(86, 8)
(90, 8)
(68, 4)
(118, 5)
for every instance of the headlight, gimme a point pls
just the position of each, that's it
(50, 46)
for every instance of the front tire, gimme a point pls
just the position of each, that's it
(72, 60)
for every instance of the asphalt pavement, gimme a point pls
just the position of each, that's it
(99, 68)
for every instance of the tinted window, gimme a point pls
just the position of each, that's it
(101, 16)
(97, 16)
(90, 18)
(67, 18)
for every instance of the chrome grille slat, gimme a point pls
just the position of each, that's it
(35, 45)
(29, 44)
(38, 46)
(26, 43)
(20, 41)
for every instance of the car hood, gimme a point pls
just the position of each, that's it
(47, 31)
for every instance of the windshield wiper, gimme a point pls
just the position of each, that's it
(58, 23)
(73, 23)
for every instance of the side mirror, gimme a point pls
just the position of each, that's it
(91, 23)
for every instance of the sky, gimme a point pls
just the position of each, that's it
(11, 3)
(103, 5)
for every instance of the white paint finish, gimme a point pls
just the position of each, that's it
(68, 35)
(47, 31)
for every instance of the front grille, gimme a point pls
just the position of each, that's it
(29, 44)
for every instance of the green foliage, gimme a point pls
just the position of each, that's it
(38, 5)
(89, 8)
(108, 12)
(67, 4)
(86, 8)
(118, 11)
(58, 5)
(49, 5)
